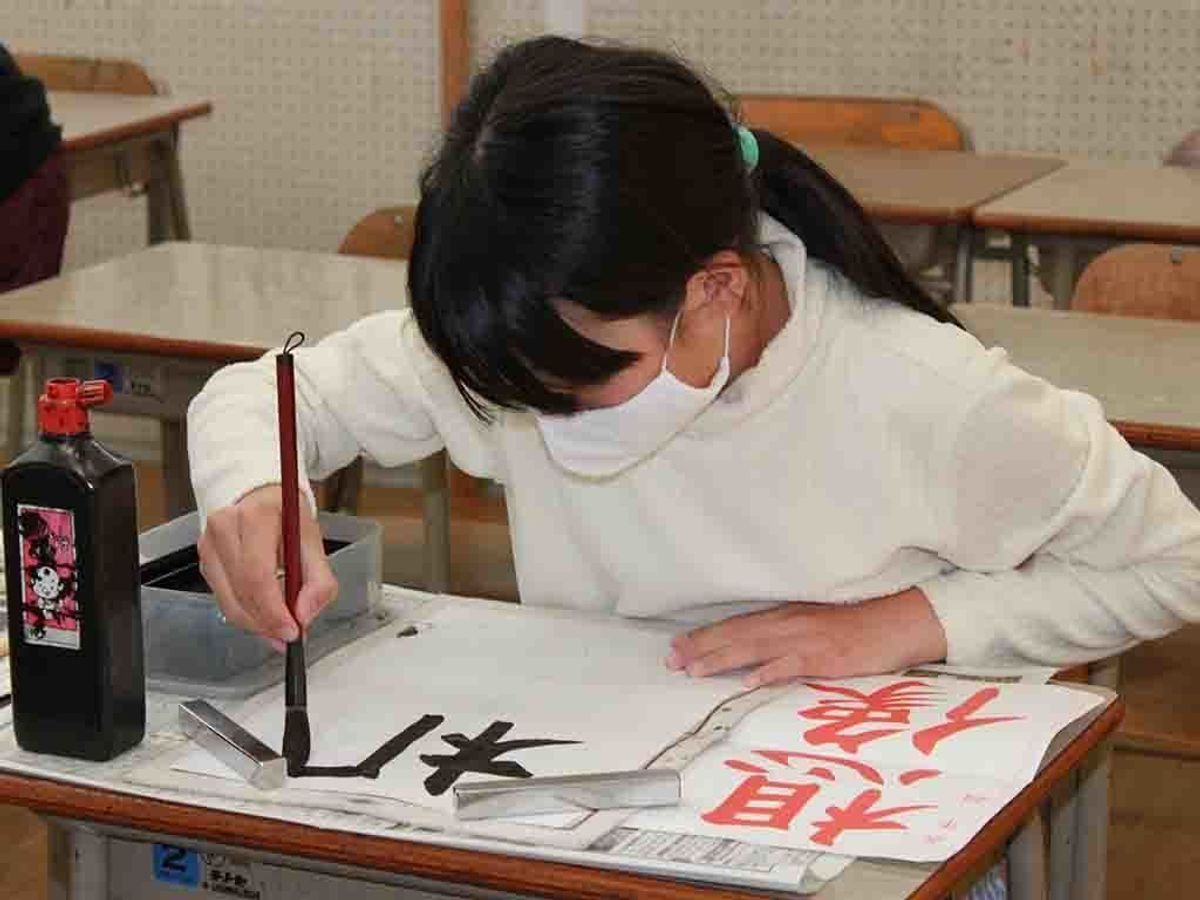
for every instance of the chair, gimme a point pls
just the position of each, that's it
(872, 122)
(855, 121)
(1186, 152)
(1149, 280)
(1161, 282)
(388, 234)
(79, 73)
(65, 73)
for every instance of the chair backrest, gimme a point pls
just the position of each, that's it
(79, 73)
(855, 121)
(386, 233)
(1186, 152)
(1148, 280)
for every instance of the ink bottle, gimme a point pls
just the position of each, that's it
(71, 563)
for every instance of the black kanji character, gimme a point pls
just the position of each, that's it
(478, 754)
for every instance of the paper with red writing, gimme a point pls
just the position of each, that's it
(890, 766)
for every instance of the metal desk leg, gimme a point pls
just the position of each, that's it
(158, 202)
(181, 227)
(1091, 844)
(166, 204)
(1064, 834)
(437, 523)
(78, 862)
(1105, 672)
(1027, 860)
(964, 258)
(1020, 269)
(1063, 282)
(177, 482)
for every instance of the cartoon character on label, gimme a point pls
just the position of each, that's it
(52, 583)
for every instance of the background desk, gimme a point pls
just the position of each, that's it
(931, 187)
(115, 142)
(1145, 372)
(1095, 205)
(159, 322)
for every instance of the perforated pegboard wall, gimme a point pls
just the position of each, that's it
(322, 110)
(1109, 80)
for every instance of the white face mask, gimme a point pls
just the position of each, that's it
(600, 442)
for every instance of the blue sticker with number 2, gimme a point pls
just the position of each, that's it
(176, 865)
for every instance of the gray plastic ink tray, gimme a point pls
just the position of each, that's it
(191, 650)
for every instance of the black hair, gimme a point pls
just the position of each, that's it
(606, 176)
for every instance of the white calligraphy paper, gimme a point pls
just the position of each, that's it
(482, 686)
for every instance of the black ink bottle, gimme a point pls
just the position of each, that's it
(71, 563)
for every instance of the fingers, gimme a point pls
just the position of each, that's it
(782, 669)
(259, 589)
(239, 550)
(214, 573)
(746, 629)
(735, 655)
(793, 640)
(319, 587)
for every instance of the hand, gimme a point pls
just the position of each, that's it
(794, 640)
(240, 553)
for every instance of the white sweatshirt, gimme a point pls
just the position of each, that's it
(870, 450)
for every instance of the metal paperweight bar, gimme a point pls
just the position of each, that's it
(566, 794)
(233, 745)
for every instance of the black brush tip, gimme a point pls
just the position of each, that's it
(297, 738)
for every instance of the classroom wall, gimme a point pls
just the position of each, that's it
(324, 109)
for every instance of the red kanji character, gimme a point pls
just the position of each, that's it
(760, 802)
(928, 738)
(891, 703)
(859, 816)
(785, 757)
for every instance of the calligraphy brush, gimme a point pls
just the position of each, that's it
(297, 738)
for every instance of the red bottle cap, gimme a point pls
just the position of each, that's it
(63, 409)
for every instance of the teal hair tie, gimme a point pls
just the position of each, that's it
(749, 145)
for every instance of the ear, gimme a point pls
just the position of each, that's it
(718, 288)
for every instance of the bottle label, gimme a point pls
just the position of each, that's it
(49, 577)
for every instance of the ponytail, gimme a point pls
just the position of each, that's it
(834, 228)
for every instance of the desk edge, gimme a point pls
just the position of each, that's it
(141, 127)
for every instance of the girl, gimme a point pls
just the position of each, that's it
(712, 395)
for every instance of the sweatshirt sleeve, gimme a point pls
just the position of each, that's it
(374, 389)
(1067, 545)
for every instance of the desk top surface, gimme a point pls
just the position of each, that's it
(1144, 371)
(927, 186)
(199, 301)
(490, 868)
(1143, 202)
(106, 793)
(91, 120)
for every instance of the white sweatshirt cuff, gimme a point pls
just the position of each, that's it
(961, 600)
(228, 490)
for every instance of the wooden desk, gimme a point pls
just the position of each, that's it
(1144, 371)
(112, 807)
(1098, 204)
(115, 142)
(160, 321)
(931, 187)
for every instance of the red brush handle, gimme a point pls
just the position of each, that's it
(286, 386)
